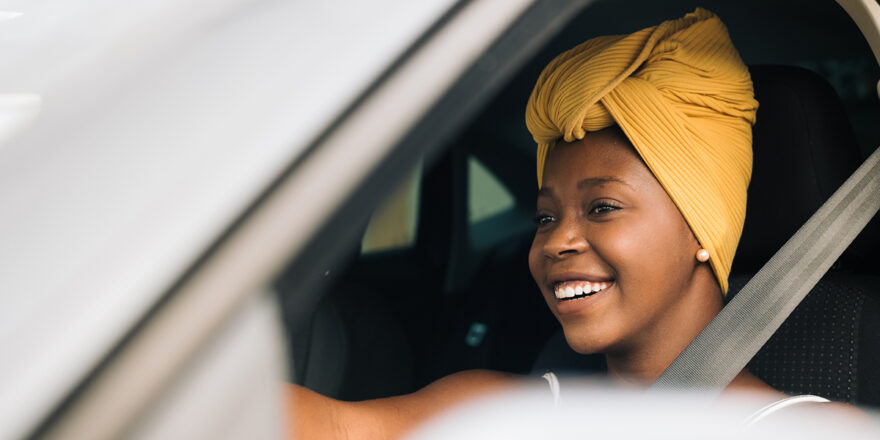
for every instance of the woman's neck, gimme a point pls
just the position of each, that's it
(644, 360)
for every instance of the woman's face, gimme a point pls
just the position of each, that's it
(606, 226)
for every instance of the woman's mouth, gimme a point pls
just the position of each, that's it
(575, 289)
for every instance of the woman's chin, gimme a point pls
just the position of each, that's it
(584, 341)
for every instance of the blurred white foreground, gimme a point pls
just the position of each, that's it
(592, 411)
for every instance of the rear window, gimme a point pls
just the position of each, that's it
(393, 224)
(487, 196)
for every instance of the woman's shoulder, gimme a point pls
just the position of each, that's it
(746, 382)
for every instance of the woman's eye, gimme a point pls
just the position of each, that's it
(603, 208)
(543, 219)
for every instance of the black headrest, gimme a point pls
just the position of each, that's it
(804, 148)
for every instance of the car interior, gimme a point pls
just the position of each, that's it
(440, 283)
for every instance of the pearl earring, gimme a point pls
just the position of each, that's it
(702, 255)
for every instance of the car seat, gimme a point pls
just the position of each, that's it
(369, 336)
(804, 148)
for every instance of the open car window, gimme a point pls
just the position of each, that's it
(483, 243)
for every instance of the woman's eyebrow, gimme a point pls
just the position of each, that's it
(599, 181)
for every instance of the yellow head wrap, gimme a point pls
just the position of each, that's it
(683, 97)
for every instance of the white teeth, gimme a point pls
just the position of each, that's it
(570, 289)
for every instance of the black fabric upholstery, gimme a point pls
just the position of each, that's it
(825, 347)
(505, 299)
(352, 347)
(320, 348)
(803, 149)
(815, 352)
(869, 347)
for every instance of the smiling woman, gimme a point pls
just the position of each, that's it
(641, 206)
(644, 158)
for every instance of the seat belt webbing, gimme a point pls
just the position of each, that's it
(742, 327)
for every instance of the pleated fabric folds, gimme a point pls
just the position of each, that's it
(683, 97)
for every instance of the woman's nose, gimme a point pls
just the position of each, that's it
(565, 239)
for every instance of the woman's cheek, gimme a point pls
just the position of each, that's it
(535, 259)
(620, 245)
(632, 252)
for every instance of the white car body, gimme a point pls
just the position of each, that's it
(146, 191)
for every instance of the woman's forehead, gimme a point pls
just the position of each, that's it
(599, 158)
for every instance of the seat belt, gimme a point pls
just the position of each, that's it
(726, 345)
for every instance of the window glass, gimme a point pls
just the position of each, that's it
(393, 225)
(486, 195)
(493, 213)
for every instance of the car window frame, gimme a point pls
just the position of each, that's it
(250, 253)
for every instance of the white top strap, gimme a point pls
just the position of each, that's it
(553, 381)
(784, 403)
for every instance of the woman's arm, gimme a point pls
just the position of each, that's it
(314, 416)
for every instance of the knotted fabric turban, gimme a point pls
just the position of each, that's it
(683, 97)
